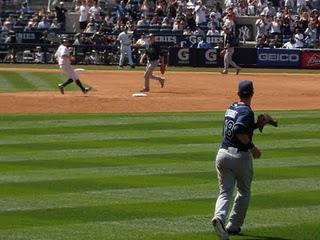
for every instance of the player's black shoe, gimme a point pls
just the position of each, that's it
(162, 82)
(61, 88)
(145, 90)
(233, 231)
(87, 89)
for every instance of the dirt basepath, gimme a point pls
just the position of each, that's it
(183, 92)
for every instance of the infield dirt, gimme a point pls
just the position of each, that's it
(183, 92)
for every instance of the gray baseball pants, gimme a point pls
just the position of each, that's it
(125, 50)
(148, 74)
(228, 60)
(233, 169)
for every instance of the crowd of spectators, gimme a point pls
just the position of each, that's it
(278, 21)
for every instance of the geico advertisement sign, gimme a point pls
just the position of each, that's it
(279, 57)
(183, 55)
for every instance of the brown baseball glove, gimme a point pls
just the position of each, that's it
(222, 53)
(163, 67)
(264, 119)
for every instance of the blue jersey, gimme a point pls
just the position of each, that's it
(239, 116)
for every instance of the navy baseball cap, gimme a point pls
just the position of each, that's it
(245, 88)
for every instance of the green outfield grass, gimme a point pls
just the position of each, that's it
(31, 81)
(149, 176)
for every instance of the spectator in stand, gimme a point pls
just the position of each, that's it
(252, 6)
(198, 31)
(7, 25)
(289, 4)
(24, 8)
(172, 8)
(275, 27)
(161, 8)
(276, 42)
(38, 55)
(145, 8)
(106, 25)
(61, 14)
(187, 31)
(95, 11)
(44, 23)
(165, 23)
(261, 4)
(262, 42)
(200, 12)
(20, 22)
(29, 27)
(261, 25)
(301, 4)
(213, 21)
(177, 25)
(311, 34)
(119, 26)
(84, 15)
(154, 21)
(143, 22)
(190, 19)
(76, 5)
(299, 39)
(269, 10)
(91, 28)
(55, 24)
(291, 44)
(286, 26)
(213, 31)
(203, 43)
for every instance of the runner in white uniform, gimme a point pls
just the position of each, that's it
(64, 60)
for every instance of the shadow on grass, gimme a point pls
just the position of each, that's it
(252, 237)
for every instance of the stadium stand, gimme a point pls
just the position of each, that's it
(272, 23)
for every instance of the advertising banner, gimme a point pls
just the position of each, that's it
(179, 57)
(278, 57)
(204, 57)
(310, 59)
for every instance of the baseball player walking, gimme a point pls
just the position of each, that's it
(234, 163)
(125, 38)
(64, 60)
(229, 50)
(154, 55)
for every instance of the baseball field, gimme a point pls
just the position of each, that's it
(107, 165)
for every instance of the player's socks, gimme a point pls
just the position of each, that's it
(80, 85)
(67, 82)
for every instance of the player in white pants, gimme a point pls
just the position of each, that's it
(64, 60)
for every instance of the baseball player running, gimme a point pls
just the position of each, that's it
(154, 55)
(125, 38)
(234, 163)
(64, 60)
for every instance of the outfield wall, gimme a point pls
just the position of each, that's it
(194, 57)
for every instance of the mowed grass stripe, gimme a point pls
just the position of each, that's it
(98, 182)
(120, 212)
(313, 167)
(178, 158)
(17, 81)
(5, 84)
(150, 194)
(32, 78)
